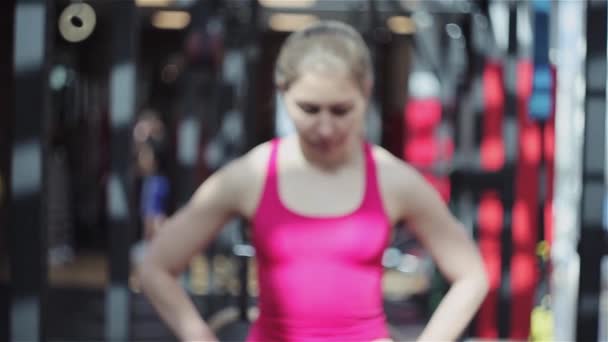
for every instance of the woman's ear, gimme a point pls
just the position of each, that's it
(281, 87)
(280, 94)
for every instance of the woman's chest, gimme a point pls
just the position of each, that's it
(312, 194)
(361, 237)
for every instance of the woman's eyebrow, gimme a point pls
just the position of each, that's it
(308, 103)
(345, 103)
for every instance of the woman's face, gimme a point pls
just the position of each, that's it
(328, 111)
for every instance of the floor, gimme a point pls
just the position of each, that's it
(77, 296)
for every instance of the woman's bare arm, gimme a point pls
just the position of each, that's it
(152, 225)
(184, 234)
(453, 251)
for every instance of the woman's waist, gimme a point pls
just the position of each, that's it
(345, 327)
(328, 309)
(305, 293)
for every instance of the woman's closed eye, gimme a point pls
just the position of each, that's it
(309, 108)
(340, 110)
(336, 110)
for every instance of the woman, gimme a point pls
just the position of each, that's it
(321, 205)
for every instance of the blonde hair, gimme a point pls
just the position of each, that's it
(326, 45)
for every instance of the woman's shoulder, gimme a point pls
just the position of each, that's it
(394, 172)
(247, 174)
(396, 180)
(387, 161)
(382, 155)
(256, 159)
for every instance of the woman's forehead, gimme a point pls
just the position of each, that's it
(324, 87)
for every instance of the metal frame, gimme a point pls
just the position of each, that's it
(591, 243)
(7, 9)
(122, 110)
(27, 237)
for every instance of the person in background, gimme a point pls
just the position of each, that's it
(149, 157)
(155, 186)
(154, 195)
(148, 125)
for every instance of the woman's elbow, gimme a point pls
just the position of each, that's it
(149, 269)
(483, 283)
(477, 280)
(145, 270)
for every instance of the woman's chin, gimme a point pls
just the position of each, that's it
(326, 153)
(327, 150)
(332, 156)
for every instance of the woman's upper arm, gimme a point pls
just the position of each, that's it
(438, 230)
(197, 223)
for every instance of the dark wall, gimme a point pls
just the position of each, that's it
(6, 113)
(270, 44)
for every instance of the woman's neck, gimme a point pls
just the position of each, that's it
(351, 154)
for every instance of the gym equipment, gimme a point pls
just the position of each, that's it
(77, 22)
(541, 319)
(568, 147)
(428, 141)
(483, 169)
(375, 36)
(592, 244)
(231, 322)
(121, 221)
(252, 56)
(491, 174)
(26, 234)
(603, 314)
(6, 128)
(541, 111)
(425, 147)
(251, 139)
(534, 113)
(525, 211)
(511, 81)
(541, 100)
(491, 211)
(59, 216)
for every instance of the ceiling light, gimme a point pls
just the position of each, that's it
(401, 24)
(287, 3)
(290, 22)
(171, 20)
(153, 3)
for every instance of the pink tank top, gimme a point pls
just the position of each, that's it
(320, 278)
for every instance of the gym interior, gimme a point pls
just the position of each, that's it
(500, 104)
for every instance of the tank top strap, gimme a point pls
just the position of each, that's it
(271, 188)
(373, 197)
(272, 161)
(267, 200)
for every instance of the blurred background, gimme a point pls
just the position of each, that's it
(113, 111)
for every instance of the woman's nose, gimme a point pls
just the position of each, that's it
(326, 126)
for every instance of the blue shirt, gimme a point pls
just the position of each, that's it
(154, 196)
